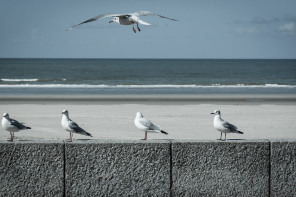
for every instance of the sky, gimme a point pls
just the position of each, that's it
(251, 29)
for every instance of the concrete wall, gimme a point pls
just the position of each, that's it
(151, 168)
(283, 168)
(118, 168)
(215, 168)
(32, 168)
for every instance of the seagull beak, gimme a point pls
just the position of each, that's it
(212, 113)
(111, 21)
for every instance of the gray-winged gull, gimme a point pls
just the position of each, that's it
(146, 125)
(223, 126)
(71, 126)
(12, 125)
(125, 19)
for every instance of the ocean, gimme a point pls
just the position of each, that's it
(147, 76)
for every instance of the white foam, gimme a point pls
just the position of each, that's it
(251, 86)
(156, 86)
(277, 85)
(18, 80)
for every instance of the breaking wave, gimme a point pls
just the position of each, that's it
(18, 80)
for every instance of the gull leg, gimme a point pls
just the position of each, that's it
(134, 28)
(70, 139)
(221, 136)
(138, 27)
(225, 137)
(11, 137)
(145, 138)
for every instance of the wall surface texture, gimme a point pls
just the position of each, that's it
(148, 168)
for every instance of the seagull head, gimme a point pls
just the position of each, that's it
(115, 19)
(216, 112)
(139, 115)
(6, 115)
(65, 112)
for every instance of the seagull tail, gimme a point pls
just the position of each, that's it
(163, 132)
(240, 132)
(143, 22)
(28, 127)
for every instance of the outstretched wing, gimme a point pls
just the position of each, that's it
(229, 126)
(17, 124)
(146, 13)
(95, 19)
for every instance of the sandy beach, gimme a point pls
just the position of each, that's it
(182, 116)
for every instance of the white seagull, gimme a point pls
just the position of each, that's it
(12, 125)
(71, 126)
(125, 19)
(223, 126)
(146, 125)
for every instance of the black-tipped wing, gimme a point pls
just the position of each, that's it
(78, 129)
(162, 131)
(95, 19)
(75, 127)
(229, 126)
(155, 127)
(17, 124)
(140, 13)
(146, 13)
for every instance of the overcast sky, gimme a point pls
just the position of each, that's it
(205, 29)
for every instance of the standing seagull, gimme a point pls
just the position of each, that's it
(223, 126)
(12, 125)
(71, 126)
(125, 19)
(146, 125)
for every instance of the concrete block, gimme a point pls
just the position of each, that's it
(32, 168)
(283, 167)
(118, 168)
(220, 168)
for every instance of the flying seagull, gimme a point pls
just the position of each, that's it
(146, 125)
(71, 126)
(12, 125)
(223, 126)
(125, 19)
